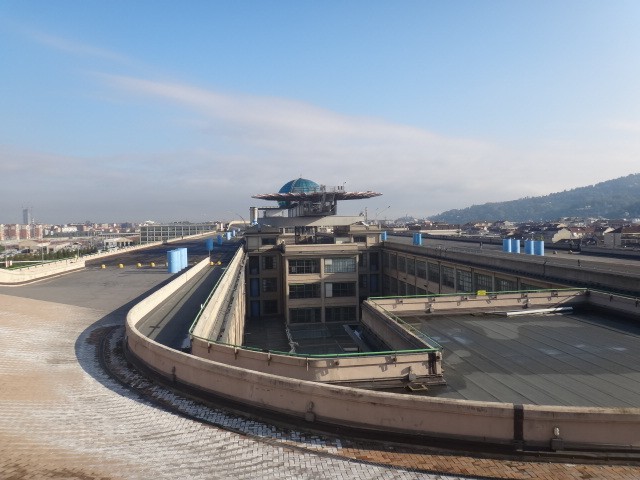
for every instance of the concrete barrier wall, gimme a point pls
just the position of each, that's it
(157, 297)
(35, 272)
(502, 302)
(624, 305)
(419, 416)
(478, 421)
(381, 368)
(392, 334)
(212, 323)
(28, 274)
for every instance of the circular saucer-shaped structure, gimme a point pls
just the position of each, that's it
(304, 190)
(299, 185)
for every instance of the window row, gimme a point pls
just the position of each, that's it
(331, 265)
(331, 314)
(264, 262)
(331, 289)
(461, 280)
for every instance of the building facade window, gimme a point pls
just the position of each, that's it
(374, 261)
(434, 272)
(268, 262)
(362, 281)
(393, 286)
(254, 265)
(448, 277)
(504, 285)
(483, 282)
(268, 240)
(421, 269)
(304, 290)
(340, 314)
(464, 281)
(402, 264)
(393, 261)
(411, 266)
(374, 283)
(269, 285)
(340, 265)
(305, 315)
(340, 289)
(254, 287)
(302, 266)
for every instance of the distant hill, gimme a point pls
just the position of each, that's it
(618, 198)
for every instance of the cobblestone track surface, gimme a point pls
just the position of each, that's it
(62, 416)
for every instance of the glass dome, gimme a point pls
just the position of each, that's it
(299, 185)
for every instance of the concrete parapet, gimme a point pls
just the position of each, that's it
(417, 417)
(390, 368)
(484, 302)
(35, 272)
(213, 321)
(157, 297)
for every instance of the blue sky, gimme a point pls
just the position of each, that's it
(128, 111)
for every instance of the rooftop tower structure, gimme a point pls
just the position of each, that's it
(303, 202)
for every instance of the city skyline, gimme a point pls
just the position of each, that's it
(158, 111)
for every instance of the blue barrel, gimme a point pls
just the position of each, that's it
(383, 236)
(173, 261)
(506, 245)
(528, 247)
(184, 261)
(538, 248)
(219, 239)
(209, 244)
(515, 245)
(417, 239)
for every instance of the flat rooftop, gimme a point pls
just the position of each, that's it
(311, 339)
(588, 358)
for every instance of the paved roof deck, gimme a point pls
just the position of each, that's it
(576, 359)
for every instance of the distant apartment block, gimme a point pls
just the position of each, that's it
(16, 231)
(164, 232)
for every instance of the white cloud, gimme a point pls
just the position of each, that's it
(76, 48)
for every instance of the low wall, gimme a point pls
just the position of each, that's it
(214, 321)
(160, 295)
(329, 404)
(34, 272)
(490, 302)
(417, 417)
(390, 368)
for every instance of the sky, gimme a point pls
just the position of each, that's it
(126, 111)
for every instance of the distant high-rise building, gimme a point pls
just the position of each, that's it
(26, 216)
